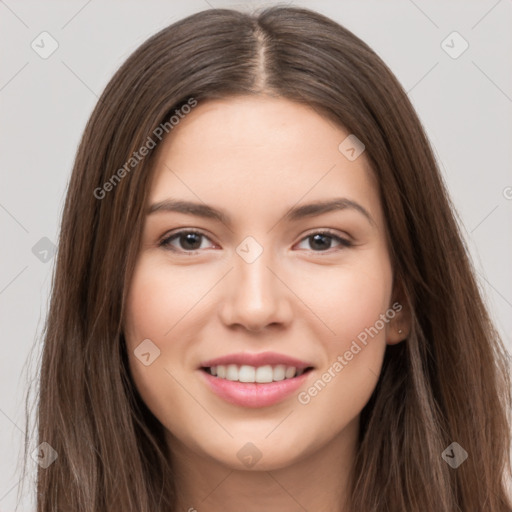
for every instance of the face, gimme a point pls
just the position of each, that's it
(251, 302)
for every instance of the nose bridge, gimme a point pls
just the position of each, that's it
(254, 278)
(255, 282)
(256, 298)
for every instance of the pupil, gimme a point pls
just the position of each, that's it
(323, 241)
(189, 240)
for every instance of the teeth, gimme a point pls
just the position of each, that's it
(261, 374)
(232, 372)
(247, 374)
(264, 374)
(290, 372)
(279, 371)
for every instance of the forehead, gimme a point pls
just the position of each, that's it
(255, 151)
(248, 124)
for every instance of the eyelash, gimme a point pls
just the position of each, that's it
(165, 243)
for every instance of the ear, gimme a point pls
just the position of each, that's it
(399, 326)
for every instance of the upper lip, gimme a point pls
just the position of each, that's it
(261, 359)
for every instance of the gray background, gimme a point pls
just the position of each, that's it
(465, 105)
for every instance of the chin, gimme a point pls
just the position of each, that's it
(255, 453)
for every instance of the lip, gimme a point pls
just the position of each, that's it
(261, 359)
(253, 394)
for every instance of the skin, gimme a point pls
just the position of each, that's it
(255, 157)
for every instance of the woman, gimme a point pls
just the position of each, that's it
(261, 297)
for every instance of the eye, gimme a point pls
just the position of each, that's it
(322, 241)
(189, 241)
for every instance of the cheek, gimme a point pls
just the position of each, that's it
(159, 299)
(349, 298)
(146, 304)
(154, 306)
(152, 309)
(363, 300)
(355, 299)
(164, 306)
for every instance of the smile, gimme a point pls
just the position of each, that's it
(254, 380)
(261, 374)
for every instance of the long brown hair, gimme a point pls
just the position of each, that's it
(447, 382)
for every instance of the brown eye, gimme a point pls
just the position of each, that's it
(187, 241)
(322, 241)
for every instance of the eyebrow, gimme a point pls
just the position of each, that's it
(293, 214)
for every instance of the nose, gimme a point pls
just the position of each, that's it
(256, 296)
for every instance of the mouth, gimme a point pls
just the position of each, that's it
(265, 374)
(255, 380)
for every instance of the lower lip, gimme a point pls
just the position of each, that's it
(253, 394)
